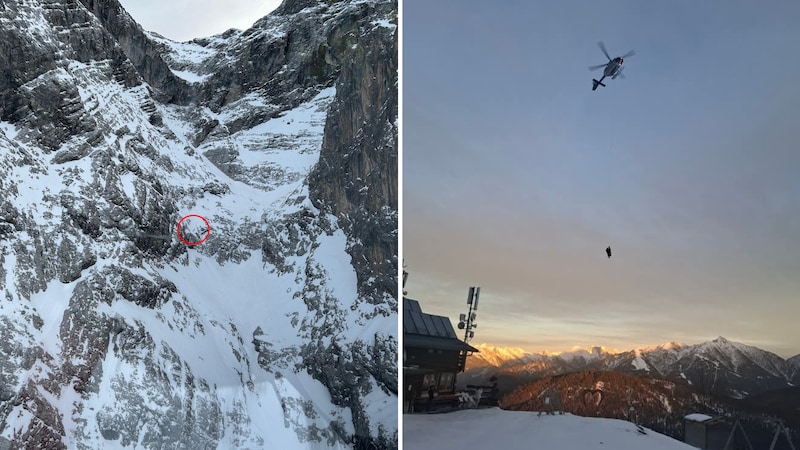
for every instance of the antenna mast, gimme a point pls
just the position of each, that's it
(467, 321)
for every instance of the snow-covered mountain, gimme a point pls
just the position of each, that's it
(198, 241)
(495, 356)
(511, 430)
(719, 366)
(510, 364)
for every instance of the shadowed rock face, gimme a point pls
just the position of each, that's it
(115, 333)
(34, 91)
(139, 50)
(356, 178)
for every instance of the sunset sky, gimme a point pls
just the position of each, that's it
(517, 176)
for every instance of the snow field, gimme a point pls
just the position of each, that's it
(512, 430)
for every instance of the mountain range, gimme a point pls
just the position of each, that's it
(198, 240)
(652, 386)
(719, 366)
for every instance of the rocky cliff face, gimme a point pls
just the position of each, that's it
(279, 330)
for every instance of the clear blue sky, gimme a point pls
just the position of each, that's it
(517, 176)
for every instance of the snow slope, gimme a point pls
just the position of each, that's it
(203, 327)
(511, 430)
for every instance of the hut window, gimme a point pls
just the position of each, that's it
(446, 381)
(430, 379)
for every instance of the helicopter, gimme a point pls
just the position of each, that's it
(613, 68)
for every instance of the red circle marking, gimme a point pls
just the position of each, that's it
(208, 230)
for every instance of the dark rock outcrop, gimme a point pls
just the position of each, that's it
(139, 50)
(356, 178)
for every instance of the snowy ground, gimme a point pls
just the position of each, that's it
(510, 430)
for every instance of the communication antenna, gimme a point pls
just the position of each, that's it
(467, 321)
(405, 278)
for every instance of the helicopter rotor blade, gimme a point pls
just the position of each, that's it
(603, 48)
(620, 74)
(628, 55)
(597, 66)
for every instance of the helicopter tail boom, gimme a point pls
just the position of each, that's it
(595, 83)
